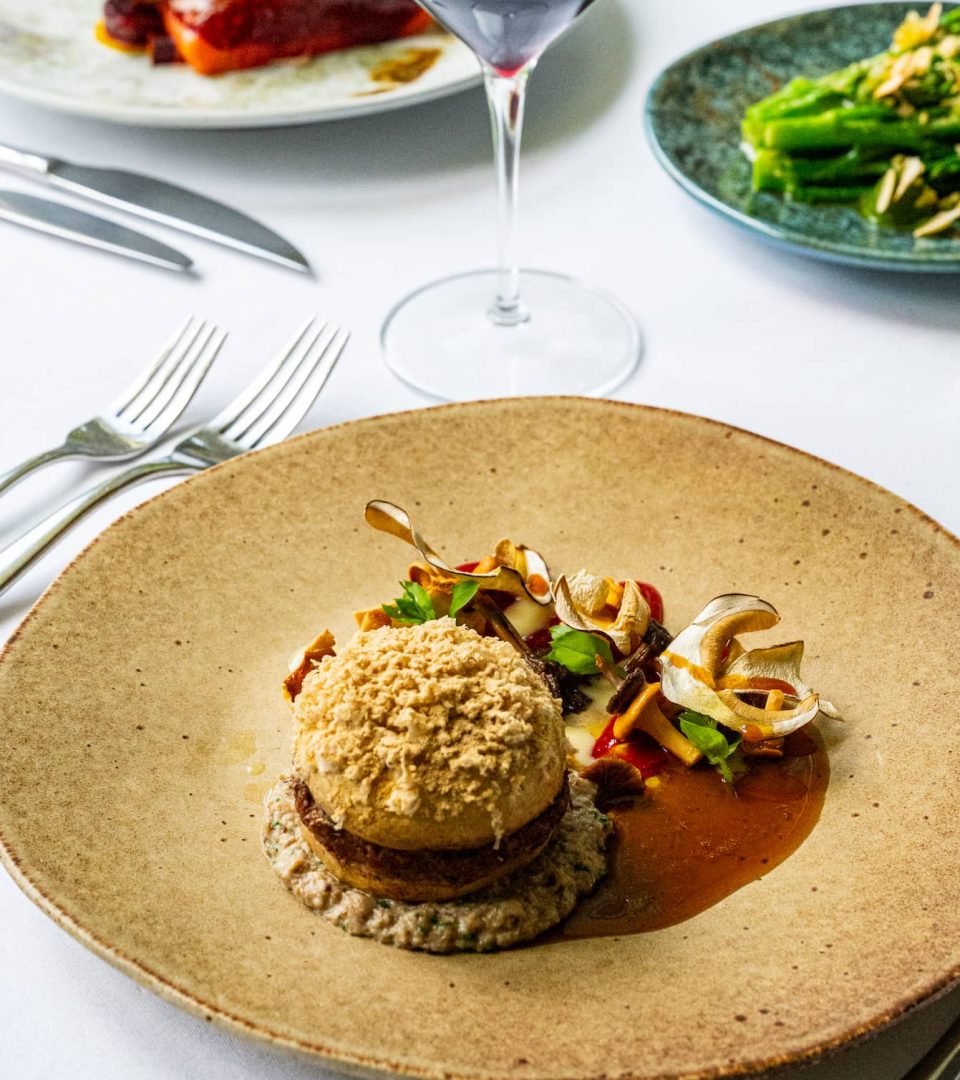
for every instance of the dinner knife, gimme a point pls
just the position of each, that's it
(160, 201)
(58, 219)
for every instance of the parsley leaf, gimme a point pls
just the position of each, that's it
(415, 606)
(705, 735)
(463, 593)
(575, 650)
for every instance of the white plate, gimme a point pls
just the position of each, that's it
(49, 56)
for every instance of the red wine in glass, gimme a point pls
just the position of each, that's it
(507, 331)
(506, 34)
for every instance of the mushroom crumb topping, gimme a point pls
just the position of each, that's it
(429, 721)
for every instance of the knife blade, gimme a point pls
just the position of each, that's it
(58, 219)
(161, 201)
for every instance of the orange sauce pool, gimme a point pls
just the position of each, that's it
(691, 840)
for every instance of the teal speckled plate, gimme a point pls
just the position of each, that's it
(693, 119)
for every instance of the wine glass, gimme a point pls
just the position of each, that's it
(509, 331)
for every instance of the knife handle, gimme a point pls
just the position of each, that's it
(23, 161)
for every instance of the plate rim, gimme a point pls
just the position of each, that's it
(207, 119)
(789, 239)
(366, 1065)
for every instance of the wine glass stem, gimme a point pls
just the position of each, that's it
(506, 95)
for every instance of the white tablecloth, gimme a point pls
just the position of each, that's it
(860, 368)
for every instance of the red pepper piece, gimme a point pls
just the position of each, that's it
(468, 567)
(644, 754)
(606, 742)
(639, 750)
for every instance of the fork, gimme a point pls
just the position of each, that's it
(264, 412)
(139, 418)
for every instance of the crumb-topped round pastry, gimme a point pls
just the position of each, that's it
(514, 908)
(429, 737)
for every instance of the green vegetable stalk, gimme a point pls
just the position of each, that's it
(881, 131)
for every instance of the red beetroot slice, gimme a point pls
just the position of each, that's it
(229, 24)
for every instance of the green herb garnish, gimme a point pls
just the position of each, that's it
(706, 736)
(414, 607)
(463, 593)
(575, 650)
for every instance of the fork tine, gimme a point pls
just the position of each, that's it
(292, 374)
(297, 407)
(128, 396)
(250, 394)
(160, 387)
(275, 409)
(131, 413)
(194, 376)
(175, 377)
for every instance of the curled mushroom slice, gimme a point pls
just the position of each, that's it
(762, 669)
(778, 662)
(623, 628)
(705, 669)
(519, 570)
(723, 629)
(756, 725)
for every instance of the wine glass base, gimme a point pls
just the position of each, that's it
(577, 340)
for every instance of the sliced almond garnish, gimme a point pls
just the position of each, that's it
(913, 168)
(932, 20)
(900, 71)
(914, 30)
(888, 186)
(938, 223)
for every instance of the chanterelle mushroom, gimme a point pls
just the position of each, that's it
(707, 670)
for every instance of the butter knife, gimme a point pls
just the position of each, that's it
(159, 201)
(58, 219)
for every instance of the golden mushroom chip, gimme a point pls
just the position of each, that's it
(516, 569)
(707, 670)
(601, 606)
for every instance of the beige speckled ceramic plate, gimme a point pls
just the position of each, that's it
(140, 701)
(49, 56)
